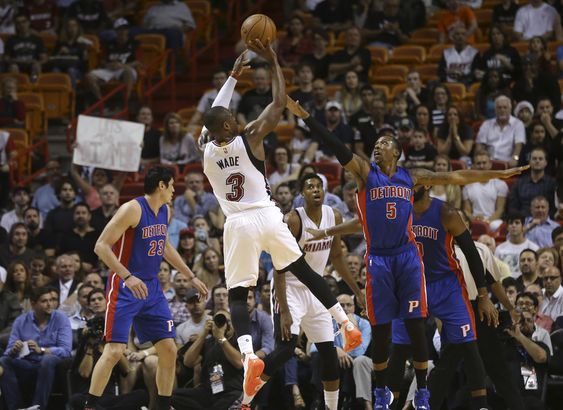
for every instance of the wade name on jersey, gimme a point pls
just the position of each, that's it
(154, 230)
(383, 192)
(228, 162)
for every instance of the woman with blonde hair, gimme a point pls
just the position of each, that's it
(448, 193)
(209, 268)
(350, 95)
(177, 146)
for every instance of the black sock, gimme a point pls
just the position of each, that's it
(91, 401)
(479, 402)
(380, 378)
(163, 402)
(420, 378)
(313, 281)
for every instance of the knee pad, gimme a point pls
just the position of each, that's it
(238, 294)
(329, 361)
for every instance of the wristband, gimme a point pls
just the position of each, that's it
(127, 277)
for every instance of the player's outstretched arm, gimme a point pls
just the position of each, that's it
(346, 228)
(174, 258)
(461, 177)
(127, 216)
(455, 225)
(225, 94)
(352, 162)
(256, 130)
(341, 266)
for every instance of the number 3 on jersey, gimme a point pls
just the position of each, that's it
(391, 210)
(236, 181)
(156, 248)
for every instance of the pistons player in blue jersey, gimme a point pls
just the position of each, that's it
(132, 245)
(436, 225)
(395, 285)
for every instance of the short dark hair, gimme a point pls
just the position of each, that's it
(214, 118)
(31, 208)
(282, 185)
(79, 204)
(154, 176)
(530, 295)
(94, 291)
(529, 250)
(309, 176)
(515, 215)
(36, 293)
(508, 282)
(556, 232)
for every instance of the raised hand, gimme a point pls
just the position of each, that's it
(264, 51)
(241, 64)
(296, 109)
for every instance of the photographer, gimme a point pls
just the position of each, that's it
(221, 367)
(528, 361)
(528, 302)
(203, 235)
(89, 352)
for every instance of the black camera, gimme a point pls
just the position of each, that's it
(96, 326)
(220, 320)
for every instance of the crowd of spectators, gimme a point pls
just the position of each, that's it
(51, 281)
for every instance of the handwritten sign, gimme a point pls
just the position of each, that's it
(109, 144)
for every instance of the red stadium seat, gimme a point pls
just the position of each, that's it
(499, 165)
(458, 164)
(329, 169)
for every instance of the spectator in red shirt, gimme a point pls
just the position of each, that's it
(43, 16)
(296, 44)
(12, 111)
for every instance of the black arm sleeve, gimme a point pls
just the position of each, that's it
(473, 259)
(343, 154)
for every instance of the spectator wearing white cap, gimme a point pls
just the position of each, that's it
(524, 111)
(120, 62)
(335, 124)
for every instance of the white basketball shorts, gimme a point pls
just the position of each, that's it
(248, 233)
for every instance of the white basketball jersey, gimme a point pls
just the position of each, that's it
(316, 252)
(237, 177)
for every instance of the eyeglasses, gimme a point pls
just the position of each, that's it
(546, 278)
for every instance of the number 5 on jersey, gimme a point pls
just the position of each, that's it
(391, 210)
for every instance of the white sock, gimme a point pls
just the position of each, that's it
(331, 399)
(338, 313)
(245, 344)
(248, 399)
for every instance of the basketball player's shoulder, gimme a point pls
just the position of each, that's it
(130, 210)
(337, 215)
(293, 221)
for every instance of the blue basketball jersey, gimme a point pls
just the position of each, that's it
(436, 244)
(385, 210)
(141, 248)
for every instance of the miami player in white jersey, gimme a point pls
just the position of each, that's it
(234, 165)
(294, 304)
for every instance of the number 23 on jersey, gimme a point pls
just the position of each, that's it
(156, 247)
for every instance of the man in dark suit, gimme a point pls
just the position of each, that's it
(66, 282)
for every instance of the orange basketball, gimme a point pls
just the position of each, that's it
(258, 26)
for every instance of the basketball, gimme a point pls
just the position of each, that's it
(258, 26)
